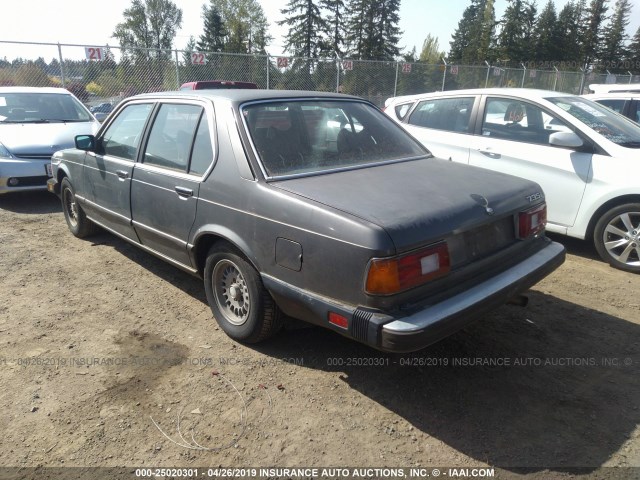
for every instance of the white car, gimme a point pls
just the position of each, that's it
(585, 157)
(625, 103)
(34, 123)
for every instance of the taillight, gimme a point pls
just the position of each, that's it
(387, 276)
(532, 221)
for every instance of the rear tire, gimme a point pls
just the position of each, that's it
(240, 304)
(77, 221)
(617, 237)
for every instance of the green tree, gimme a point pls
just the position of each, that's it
(568, 34)
(545, 34)
(306, 28)
(431, 52)
(245, 24)
(214, 34)
(373, 27)
(615, 37)
(592, 34)
(336, 26)
(633, 52)
(511, 42)
(150, 24)
(472, 41)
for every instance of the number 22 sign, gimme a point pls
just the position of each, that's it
(198, 58)
(94, 53)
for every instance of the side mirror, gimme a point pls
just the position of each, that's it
(566, 140)
(85, 142)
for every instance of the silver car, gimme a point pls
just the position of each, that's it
(34, 123)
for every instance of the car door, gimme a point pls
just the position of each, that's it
(443, 126)
(166, 183)
(514, 139)
(107, 178)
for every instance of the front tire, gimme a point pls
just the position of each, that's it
(77, 221)
(617, 237)
(240, 304)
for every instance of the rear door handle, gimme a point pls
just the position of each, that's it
(184, 192)
(122, 174)
(490, 154)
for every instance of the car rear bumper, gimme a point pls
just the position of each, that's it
(426, 324)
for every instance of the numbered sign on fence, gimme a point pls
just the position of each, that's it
(497, 71)
(198, 58)
(94, 53)
(406, 68)
(283, 62)
(347, 65)
(454, 69)
(533, 73)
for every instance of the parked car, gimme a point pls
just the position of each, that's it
(627, 104)
(614, 87)
(583, 155)
(281, 208)
(104, 107)
(217, 85)
(34, 123)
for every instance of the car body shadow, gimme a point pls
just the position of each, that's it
(575, 246)
(558, 392)
(553, 386)
(38, 202)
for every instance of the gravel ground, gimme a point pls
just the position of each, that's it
(110, 357)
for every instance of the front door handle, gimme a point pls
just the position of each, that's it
(122, 174)
(184, 192)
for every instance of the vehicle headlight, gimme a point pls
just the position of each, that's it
(4, 153)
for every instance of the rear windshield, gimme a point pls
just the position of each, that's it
(41, 108)
(602, 120)
(307, 137)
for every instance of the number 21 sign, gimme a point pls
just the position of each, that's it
(94, 53)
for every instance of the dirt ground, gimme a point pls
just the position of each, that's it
(110, 357)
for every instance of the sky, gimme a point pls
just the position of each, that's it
(92, 22)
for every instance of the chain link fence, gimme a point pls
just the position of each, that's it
(99, 74)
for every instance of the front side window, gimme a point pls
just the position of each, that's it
(449, 114)
(171, 136)
(520, 121)
(600, 119)
(313, 136)
(122, 137)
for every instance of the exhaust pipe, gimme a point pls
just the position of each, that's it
(519, 300)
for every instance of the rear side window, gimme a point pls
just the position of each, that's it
(449, 114)
(123, 135)
(402, 110)
(171, 136)
(615, 104)
(202, 155)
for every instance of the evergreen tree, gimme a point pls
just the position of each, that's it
(487, 31)
(546, 41)
(512, 43)
(336, 27)
(373, 27)
(214, 34)
(568, 34)
(462, 41)
(592, 31)
(245, 25)
(633, 52)
(306, 27)
(431, 52)
(615, 37)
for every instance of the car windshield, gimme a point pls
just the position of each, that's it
(36, 107)
(315, 136)
(602, 120)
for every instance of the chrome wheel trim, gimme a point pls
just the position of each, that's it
(71, 207)
(231, 292)
(621, 238)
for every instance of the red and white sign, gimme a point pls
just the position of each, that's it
(94, 53)
(533, 73)
(497, 71)
(347, 64)
(454, 69)
(198, 58)
(283, 62)
(406, 68)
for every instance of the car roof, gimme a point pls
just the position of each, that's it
(600, 88)
(247, 95)
(526, 93)
(34, 90)
(618, 94)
